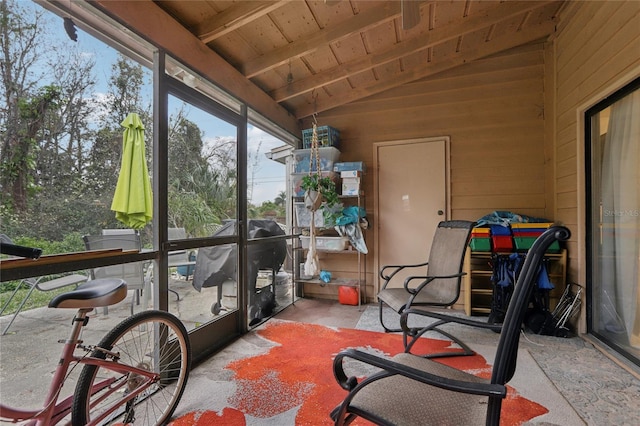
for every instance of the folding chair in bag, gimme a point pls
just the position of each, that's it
(411, 390)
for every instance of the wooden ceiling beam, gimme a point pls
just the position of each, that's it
(454, 29)
(496, 45)
(234, 17)
(305, 45)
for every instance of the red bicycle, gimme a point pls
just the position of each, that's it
(135, 376)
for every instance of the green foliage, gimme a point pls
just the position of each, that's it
(127, 79)
(72, 143)
(189, 211)
(71, 242)
(322, 184)
(54, 218)
(281, 199)
(35, 107)
(268, 210)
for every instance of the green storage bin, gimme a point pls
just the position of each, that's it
(525, 243)
(480, 244)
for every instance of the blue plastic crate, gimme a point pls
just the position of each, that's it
(499, 230)
(327, 136)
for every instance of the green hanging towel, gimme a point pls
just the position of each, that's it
(132, 200)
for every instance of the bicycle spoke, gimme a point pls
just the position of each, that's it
(152, 341)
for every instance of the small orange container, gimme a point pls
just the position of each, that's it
(348, 295)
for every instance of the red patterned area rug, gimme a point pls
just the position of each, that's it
(281, 374)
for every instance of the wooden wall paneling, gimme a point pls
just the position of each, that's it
(566, 184)
(598, 51)
(581, 17)
(593, 43)
(570, 54)
(465, 112)
(493, 112)
(550, 129)
(565, 152)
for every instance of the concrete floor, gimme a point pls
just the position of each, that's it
(323, 312)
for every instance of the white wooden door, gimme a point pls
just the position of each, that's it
(411, 187)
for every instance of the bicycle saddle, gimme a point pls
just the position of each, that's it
(92, 294)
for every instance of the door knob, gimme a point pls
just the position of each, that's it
(440, 212)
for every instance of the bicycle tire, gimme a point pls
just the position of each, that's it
(134, 339)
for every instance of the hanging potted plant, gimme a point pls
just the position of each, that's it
(319, 189)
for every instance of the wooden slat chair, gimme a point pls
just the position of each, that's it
(412, 390)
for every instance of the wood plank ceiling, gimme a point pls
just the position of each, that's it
(311, 56)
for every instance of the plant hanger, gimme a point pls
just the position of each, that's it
(313, 202)
(313, 199)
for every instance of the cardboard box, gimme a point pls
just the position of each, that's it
(351, 186)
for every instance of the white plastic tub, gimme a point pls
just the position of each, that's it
(303, 216)
(326, 243)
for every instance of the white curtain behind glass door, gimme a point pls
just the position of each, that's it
(621, 220)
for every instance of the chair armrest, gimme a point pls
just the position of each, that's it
(60, 282)
(391, 368)
(427, 280)
(404, 320)
(394, 269)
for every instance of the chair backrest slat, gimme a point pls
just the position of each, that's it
(446, 258)
(178, 257)
(132, 273)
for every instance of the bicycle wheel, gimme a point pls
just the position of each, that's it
(152, 340)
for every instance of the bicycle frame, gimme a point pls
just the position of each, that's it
(53, 411)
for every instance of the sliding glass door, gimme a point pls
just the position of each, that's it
(198, 184)
(269, 278)
(613, 229)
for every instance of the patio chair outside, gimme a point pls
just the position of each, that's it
(434, 283)
(412, 389)
(118, 231)
(179, 258)
(132, 273)
(43, 284)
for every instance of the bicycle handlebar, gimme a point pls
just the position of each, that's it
(21, 251)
